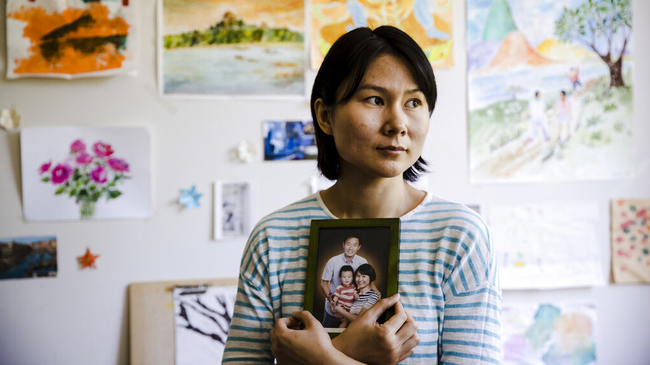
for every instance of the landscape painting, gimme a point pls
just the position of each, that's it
(229, 47)
(429, 22)
(550, 90)
(27, 257)
(70, 38)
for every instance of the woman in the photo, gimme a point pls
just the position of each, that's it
(366, 298)
(371, 103)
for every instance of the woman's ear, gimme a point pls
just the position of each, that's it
(323, 116)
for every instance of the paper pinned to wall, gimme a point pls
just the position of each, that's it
(71, 38)
(631, 240)
(548, 334)
(544, 246)
(202, 321)
(72, 173)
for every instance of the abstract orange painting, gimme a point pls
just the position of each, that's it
(429, 22)
(70, 38)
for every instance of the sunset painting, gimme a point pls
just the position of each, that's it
(550, 90)
(228, 47)
(429, 22)
(69, 39)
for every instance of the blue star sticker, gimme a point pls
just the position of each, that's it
(190, 198)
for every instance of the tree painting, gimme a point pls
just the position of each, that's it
(598, 20)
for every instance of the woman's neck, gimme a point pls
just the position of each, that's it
(379, 198)
(364, 290)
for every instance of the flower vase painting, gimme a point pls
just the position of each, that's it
(85, 173)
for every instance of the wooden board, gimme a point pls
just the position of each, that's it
(151, 319)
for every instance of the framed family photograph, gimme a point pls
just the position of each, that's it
(233, 209)
(352, 263)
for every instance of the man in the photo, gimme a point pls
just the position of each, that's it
(331, 279)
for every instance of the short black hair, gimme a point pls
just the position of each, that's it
(563, 92)
(366, 269)
(346, 268)
(346, 63)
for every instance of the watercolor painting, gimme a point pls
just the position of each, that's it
(71, 38)
(429, 22)
(85, 173)
(532, 249)
(550, 90)
(27, 257)
(202, 317)
(548, 334)
(229, 47)
(233, 209)
(631, 240)
(287, 140)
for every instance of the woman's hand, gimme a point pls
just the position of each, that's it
(311, 345)
(372, 343)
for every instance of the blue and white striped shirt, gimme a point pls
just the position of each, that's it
(448, 282)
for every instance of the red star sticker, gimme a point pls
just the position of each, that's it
(87, 260)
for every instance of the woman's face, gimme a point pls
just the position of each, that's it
(362, 281)
(380, 131)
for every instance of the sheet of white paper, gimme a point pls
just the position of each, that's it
(202, 319)
(53, 145)
(550, 245)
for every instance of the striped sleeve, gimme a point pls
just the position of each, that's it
(248, 339)
(472, 310)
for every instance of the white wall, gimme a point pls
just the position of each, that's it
(81, 316)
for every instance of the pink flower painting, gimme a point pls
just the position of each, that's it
(102, 149)
(61, 173)
(87, 176)
(77, 146)
(118, 164)
(45, 167)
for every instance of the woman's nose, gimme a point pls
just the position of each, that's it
(395, 121)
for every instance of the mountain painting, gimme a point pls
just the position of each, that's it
(429, 22)
(550, 90)
(229, 47)
(70, 38)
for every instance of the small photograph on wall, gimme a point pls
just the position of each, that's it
(548, 333)
(71, 38)
(289, 140)
(429, 22)
(202, 317)
(230, 47)
(233, 215)
(550, 90)
(73, 173)
(27, 257)
(631, 240)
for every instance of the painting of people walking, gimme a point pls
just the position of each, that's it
(28, 257)
(71, 38)
(550, 90)
(228, 47)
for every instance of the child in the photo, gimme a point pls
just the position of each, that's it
(344, 294)
(365, 296)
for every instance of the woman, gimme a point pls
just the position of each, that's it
(366, 297)
(371, 103)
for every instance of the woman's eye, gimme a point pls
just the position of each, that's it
(413, 103)
(375, 100)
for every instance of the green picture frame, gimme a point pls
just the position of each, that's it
(379, 247)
